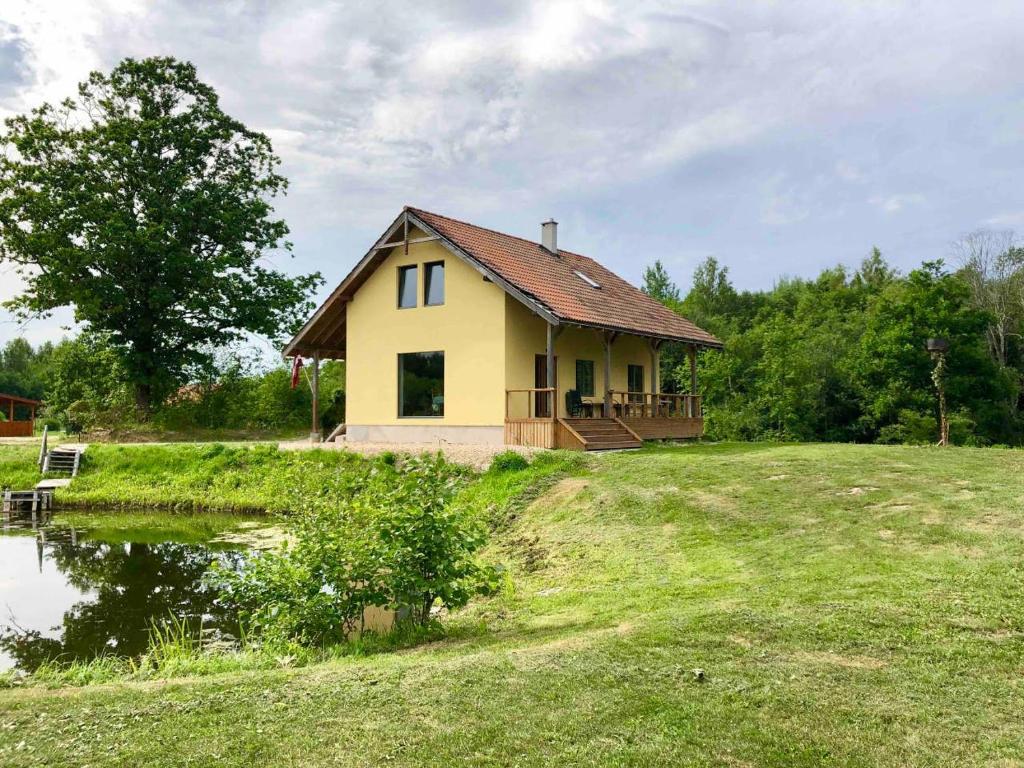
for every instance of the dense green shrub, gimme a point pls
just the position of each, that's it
(242, 397)
(509, 461)
(391, 538)
(914, 428)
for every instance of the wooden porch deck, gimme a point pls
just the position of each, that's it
(624, 421)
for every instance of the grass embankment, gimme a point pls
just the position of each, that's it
(211, 477)
(19, 466)
(847, 605)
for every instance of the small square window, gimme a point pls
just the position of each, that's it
(407, 286)
(585, 378)
(433, 284)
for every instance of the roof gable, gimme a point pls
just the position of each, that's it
(560, 287)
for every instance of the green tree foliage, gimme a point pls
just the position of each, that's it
(87, 386)
(388, 536)
(147, 208)
(243, 397)
(84, 386)
(24, 370)
(842, 357)
(658, 285)
(895, 371)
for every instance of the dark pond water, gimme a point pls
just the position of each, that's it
(76, 592)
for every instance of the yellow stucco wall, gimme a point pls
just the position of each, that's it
(526, 337)
(469, 328)
(489, 339)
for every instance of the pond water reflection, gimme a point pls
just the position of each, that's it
(76, 592)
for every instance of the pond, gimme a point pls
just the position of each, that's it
(77, 586)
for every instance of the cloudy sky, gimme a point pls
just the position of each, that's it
(780, 137)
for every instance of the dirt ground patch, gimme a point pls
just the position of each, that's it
(835, 659)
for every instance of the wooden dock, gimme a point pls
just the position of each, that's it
(36, 500)
(65, 459)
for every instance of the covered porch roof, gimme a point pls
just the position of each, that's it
(18, 400)
(8, 402)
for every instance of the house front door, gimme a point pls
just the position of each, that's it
(541, 408)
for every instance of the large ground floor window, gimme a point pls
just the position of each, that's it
(421, 384)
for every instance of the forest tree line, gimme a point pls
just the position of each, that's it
(842, 357)
(85, 388)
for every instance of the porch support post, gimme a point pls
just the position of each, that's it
(553, 333)
(314, 434)
(655, 346)
(609, 339)
(692, 354)
(11, 411)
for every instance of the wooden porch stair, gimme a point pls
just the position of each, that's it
(603, 434)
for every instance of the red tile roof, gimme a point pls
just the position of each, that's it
(552, 282)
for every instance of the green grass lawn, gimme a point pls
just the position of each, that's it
(196, 478)
(847, 605)
(19, 467)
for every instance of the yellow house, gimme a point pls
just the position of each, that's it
(459, 333)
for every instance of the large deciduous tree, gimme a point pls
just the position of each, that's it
(993, 268)
(148, 209)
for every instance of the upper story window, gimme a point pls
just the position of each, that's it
(407, 278)
(433, 284)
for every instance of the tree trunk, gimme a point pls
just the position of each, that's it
(428, 603)
(143, 400)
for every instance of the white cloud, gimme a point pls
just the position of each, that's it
(1008, 219)
(849, 172)
(896, 203)
(605, 90)
(490, 108)
(785, 202)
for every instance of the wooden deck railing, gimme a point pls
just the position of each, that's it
(541, 402)
(659, 405)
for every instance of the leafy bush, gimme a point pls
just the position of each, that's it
(392, 539)
(509, 461)
(915, 428)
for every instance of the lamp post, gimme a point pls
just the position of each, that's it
(938, 348)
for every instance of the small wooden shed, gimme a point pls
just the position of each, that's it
(13, 406)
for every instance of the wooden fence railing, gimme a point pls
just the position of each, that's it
(659, 405)
(541, 403)
(16, 429)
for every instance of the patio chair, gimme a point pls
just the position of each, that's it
(573, 403)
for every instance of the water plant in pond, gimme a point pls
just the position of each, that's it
(399, 543)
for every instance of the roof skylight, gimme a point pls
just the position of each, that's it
(585, 279)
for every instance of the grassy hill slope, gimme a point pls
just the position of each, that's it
(707, 605)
